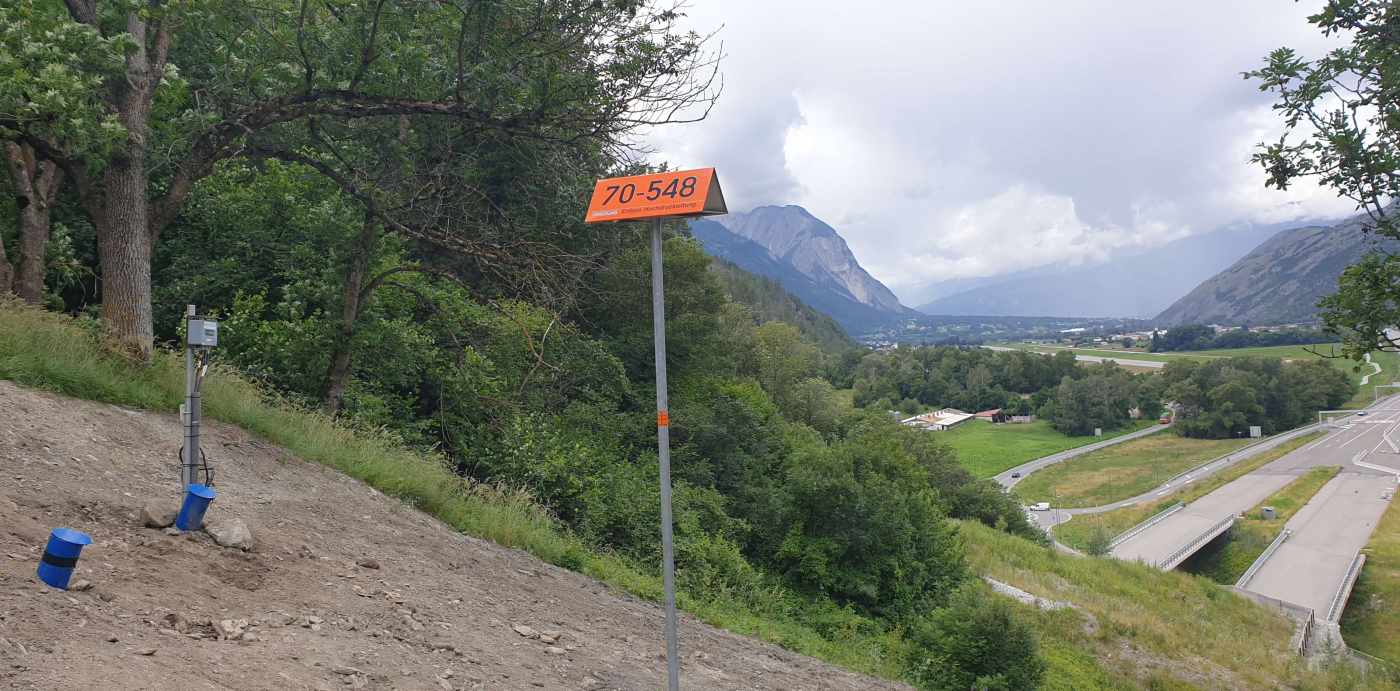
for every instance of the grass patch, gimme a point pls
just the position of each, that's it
(1225, 559)
(1149, 628)
(56, 353)
(986, 449)
(1371, 621)
(1083, 529)
(1122, 471)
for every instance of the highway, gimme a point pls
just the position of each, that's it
(1188, 529)
(1312, 564)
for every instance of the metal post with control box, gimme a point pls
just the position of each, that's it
(201, 335)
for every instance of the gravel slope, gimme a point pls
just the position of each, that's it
(440, 611)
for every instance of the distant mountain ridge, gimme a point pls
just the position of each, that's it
(1138, 286)
(1280, 281)
(804, 255)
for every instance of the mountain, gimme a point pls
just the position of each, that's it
(1279, 282)
(1137, 285)
(807, 257)
(769, 301)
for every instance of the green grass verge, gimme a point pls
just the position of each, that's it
(59, 354)
(1145, 628)
(986, 449)
(1371, 621)
(1226, 559)
(1121, 471)
(1083, 530)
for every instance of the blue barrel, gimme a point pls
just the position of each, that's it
(61, 556)
(197, 500)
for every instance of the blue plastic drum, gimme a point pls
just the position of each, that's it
(61, 556)
(197, 500)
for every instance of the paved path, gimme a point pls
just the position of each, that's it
(1357, 438)
(1008, 481)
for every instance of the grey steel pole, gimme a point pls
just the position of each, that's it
(663, 445)
(189, 454)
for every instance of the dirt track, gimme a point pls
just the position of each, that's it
(438, 613)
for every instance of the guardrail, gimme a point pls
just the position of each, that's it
(1303, 634)
(1339, 600)
(1136, 530)
(1259, 563)
(1171, 561)
(1249, 450)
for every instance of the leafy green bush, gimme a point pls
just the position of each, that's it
(976, 642)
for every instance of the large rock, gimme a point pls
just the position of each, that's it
(230, 532)
(156, 516)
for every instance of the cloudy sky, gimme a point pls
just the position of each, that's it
(954, 139)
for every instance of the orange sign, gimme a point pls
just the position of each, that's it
(661, 195)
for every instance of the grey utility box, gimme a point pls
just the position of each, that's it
(203, 333)
(1267, 513)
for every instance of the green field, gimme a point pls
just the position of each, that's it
(1122, 471)
(1225, 560)
(1084, 530)
(986, 449)
(1371, 621)
(1135, 627)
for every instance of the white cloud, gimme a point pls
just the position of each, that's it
(952, 139)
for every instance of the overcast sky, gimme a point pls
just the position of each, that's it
(954, 139)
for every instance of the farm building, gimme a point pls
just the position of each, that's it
(938, 420)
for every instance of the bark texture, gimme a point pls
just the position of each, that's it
(124, 232)
(353, 297)
(36, 182)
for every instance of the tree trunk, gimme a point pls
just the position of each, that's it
(351, 301)
(36, 184)
(124, 232)
(7, 270)
(124, 251)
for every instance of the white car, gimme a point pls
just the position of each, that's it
(1040, 506)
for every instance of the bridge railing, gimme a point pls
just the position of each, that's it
(1259, 563)
(1339, 600)
(1207, 536)
(1136, 530)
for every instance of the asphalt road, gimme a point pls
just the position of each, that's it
(1310, 566)
(1361, 436)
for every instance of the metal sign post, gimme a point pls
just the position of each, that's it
(657, 197)
(663, 449)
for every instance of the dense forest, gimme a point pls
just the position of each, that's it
(1074, 398)
(1202, 337)
(1224, 398)
(383, 204)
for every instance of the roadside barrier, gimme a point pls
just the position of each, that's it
(1339, 600)
(1259, 563)
(1134, 531)
(1171, 561)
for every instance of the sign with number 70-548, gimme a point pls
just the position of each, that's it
(659, 195)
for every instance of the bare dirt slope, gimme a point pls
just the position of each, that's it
(440, 610)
